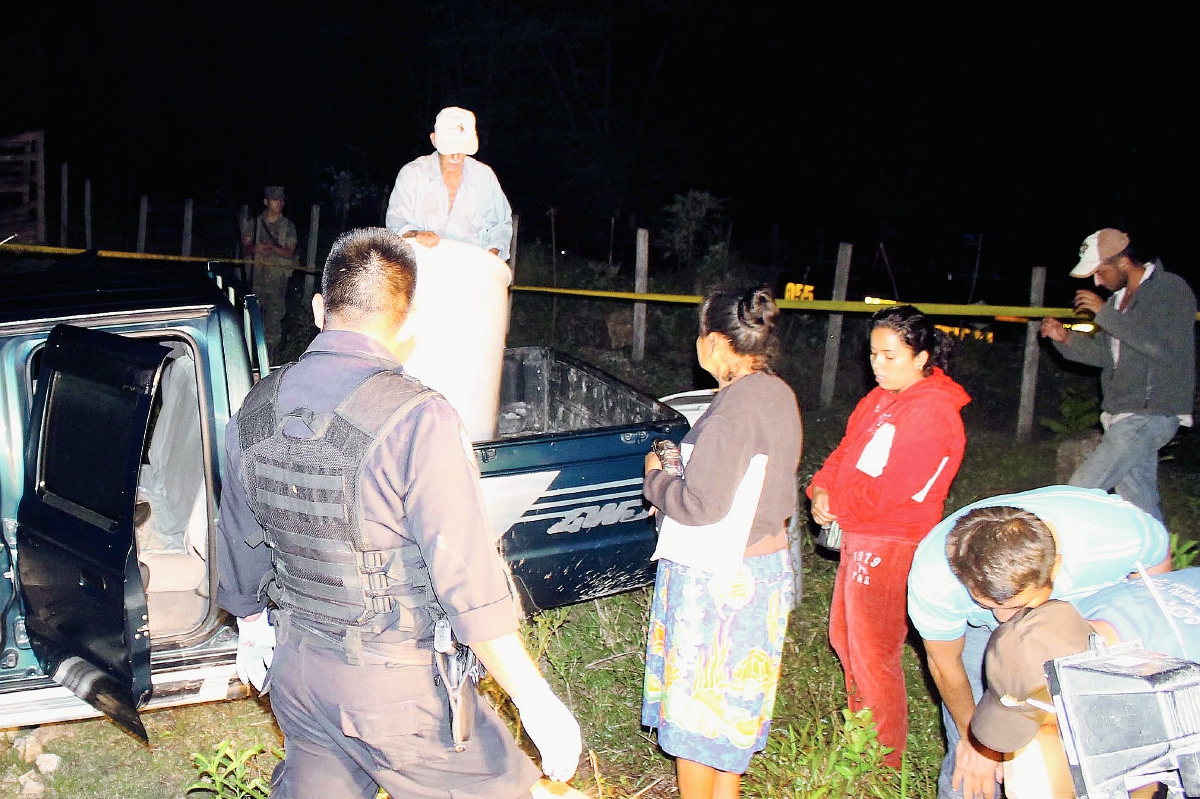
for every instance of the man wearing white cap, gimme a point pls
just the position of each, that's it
(448, 193)
(1145, 349)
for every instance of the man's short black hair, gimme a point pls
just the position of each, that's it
(1129, 253)
(369, 272)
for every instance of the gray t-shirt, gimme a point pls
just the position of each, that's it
(757, 414)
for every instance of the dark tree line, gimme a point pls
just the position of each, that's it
(884, 123)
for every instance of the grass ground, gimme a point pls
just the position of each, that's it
(593, 652)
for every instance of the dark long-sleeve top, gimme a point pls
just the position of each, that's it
(1156, 370)
(755, 415)
(420, 485)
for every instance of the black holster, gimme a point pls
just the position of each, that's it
(459, 671)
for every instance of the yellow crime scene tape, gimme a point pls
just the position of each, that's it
(999, 313)
(1014, 313)
(40, 249)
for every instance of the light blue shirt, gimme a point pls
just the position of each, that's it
(1133, 612)
(1101, 538)
(481, 214)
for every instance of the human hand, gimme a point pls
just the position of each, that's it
(820, 507)
(495, 251)
(975, 772)
(427, 238)
(256, 649)
(653, 462)
(1053, 329)
(552, 728)
(1088, 301)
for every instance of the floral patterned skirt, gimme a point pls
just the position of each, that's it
(712, 659)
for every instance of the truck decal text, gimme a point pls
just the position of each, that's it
(590, 516)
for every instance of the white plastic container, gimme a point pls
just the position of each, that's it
(459, 321)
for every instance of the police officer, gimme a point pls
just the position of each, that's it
(352, 501)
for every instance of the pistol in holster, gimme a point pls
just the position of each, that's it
(460, 671)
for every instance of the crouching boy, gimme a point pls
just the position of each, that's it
(1009, 563)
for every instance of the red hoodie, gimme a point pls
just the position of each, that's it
(890, 474)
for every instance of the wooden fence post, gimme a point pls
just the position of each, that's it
(63, 207)
(553, 274)
(612, 234)
(186, 248)
(314, 229)
(512, 265)
(39, 146)
(553, 249)
(143, 209)
(243, 225)
(87, 213)
(833, 341)
(1033, 352)
(512, 245)
(641, 284)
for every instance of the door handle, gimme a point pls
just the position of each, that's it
(91, 583)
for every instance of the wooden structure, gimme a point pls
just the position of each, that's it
(23, 187)
(641, 284)
(1033, 353)
(833, 340)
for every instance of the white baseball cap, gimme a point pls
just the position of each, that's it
(1098, 248)
(454, 132)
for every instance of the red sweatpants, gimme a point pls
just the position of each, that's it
(868, 622)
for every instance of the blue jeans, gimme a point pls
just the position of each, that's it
(1127, 460)
(974, 643)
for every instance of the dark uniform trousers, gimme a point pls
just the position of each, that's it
(348, 729)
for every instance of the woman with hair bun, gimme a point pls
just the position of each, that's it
(724, 585)
(884, 487)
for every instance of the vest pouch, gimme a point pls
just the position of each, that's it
(304, 491)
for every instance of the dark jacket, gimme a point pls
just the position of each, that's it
(1156, 371)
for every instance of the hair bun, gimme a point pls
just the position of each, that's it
(746, 318)
(757, 307)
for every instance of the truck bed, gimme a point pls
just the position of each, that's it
(563, 480)
(543, 392)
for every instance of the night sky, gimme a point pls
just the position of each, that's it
(916, 128)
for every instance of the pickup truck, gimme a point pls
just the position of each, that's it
(117, 380)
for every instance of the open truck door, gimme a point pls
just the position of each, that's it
(82, 589)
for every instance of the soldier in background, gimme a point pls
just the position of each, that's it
(270, 240)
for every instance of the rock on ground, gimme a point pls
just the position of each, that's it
(28, 748)
(1073, 452)
(48, 763)
(30, 786)
(50, 732)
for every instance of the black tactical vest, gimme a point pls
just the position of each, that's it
(305, 493)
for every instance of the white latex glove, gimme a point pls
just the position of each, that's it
(552, 728)
(256, 648)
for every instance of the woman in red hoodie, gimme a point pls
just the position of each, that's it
(885, 486)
